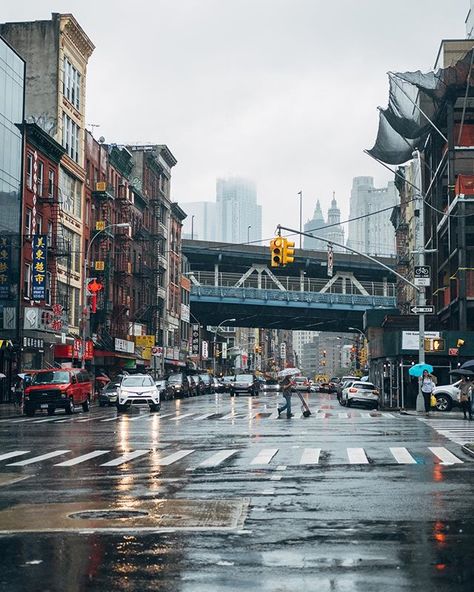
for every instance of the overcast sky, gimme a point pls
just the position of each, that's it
(281, 91)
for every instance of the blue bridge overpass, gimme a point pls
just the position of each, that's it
(235, 281)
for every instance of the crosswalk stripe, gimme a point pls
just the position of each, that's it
(172, 458)
(310, 456)
(357, 456)
(124, 458)
(446, 457)
(178, 417)
(47, 420)
(389, 415)
(218, 458)
(12, 454)
(79, 459)
(35, 459)
(140, 416)
(264, 456)
(228, 416)
(402, 456)
(343, 414)
(160, 416)
(204, 416)
(111, 419)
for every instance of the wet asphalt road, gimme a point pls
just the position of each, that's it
(346, 500)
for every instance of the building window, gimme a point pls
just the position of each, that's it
(71, 193)
(51, 180)
(29, 170)
(38, 224)
(28, 218)
(27, 281)
(50, 233)
(71, 84)
(71, 137)
(40, 179)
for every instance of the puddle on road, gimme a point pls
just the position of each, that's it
(148, 516)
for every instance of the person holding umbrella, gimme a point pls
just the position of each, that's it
(427, 386)
(286, 384)
(465, 396)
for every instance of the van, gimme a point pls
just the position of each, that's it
(58, 388)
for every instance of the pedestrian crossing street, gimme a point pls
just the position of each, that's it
(182, 416)
(457, 430)
(241, 459)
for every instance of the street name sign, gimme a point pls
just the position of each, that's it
(422, 275)
(429, 309)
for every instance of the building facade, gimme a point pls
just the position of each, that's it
(238, 216)
(372, 233)
(330, 230)
(12, 81)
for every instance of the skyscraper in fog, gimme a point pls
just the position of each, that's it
(372, 233)
(238, 217)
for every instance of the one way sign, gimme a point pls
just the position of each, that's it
(429, 309)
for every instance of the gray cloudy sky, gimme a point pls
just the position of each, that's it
(282, 91)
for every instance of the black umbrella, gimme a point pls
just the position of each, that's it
(469, 365)
(462, 372)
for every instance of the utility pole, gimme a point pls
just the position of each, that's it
(420, 248)
(300, 193)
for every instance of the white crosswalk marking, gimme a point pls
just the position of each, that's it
(446, 457)
(178, 417)
(357, 456)
(13, 454)
(172, 458)
(125, 458)
(402, 456)
(388, 415)
(345, 415)
(153, 416)
(80, 459)
(35, 459)
(218, 458)
(264, 456)
(140, 416)
(310, 456)
(204, 416)
(228, 416)
(111, 418)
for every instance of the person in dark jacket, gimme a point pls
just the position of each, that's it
(465, 397)
(285, 387)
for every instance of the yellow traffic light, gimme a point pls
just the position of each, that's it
(460, 343)
(276, 247)
(288, 252)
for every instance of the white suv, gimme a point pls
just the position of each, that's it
(138, 389)
(360, 392)
(447, 396)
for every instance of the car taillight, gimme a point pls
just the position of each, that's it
(352, 390)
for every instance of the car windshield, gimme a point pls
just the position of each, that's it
(175, 378)
(137, 381)
(243, 377)
(205, 377)
(51, 378)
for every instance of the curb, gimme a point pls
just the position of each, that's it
(468, 449)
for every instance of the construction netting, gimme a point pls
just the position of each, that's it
(415, 100)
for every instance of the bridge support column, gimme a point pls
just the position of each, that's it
(216, 274)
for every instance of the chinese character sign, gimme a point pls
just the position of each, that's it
(5, 268)
(39, 250)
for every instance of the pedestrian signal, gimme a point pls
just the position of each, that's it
(276, 248)
(288, 252)
(434, 344)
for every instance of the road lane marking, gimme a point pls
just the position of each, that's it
(125, 458)
(218, 458)
(35, 459)
(12, 454)
(389, 415)
(402, 456)
(446, 457)
(204, 416)
(153, 416)
(48, 419)
(310, 456)
(357, 456)
(343, 415)
(172, 458)
(264, 456)
(79, 459)
(178, 417)
(111, 418)
(228, 416)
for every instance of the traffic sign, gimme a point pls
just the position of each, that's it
(428, 309)
(453, 351)
(422, 275)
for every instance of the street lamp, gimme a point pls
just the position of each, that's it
(192, 227)
(300, 193)
(84, 287)
(215, 338)
(248, 233)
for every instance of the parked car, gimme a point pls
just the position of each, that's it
(271, 386)
(58, 389)
(226, 382)
(342, 384)
(180, 385)
(108, 395)
(138, 389)
(165, 390)
(245, 384)
(301, 384)
(208, 383)
(447, 396)
(364, 393)
(196, 385)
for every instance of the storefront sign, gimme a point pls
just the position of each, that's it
(39, 250)
(73, 350)
(185, 313)
(33, 342)
(144, 340)
(195, 340)
(37, 318)
(410, 339)
(122, 345)
(224, 350)
(205, 350)
(5, 268)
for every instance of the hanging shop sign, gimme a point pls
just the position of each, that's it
(5, 267)
(39, 250)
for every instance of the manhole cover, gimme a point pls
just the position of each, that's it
(107, 514)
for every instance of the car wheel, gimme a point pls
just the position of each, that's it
(86, 406)
(121, 408)
(155, 407)
(443, 402)
(51, 410)
(69, 407)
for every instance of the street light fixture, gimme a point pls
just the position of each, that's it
(215, 339)
(84, 287)
(248, 233)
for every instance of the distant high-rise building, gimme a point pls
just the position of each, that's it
(330, 230)
(470, 21)
(238, 216)
(372, 233)
(200, 223)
